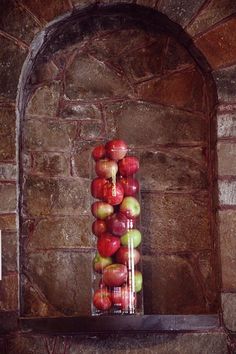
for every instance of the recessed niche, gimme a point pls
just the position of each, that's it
(126, 72)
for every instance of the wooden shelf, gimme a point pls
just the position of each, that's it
(120, 324)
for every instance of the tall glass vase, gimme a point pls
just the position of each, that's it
(116, 219)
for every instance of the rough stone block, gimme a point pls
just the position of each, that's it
(8, 222)
(173, 170)
(7, 134)
(89, 78)
(227, 192)
(172, 223)
(81, 158)
(9, 252)
(7, 172)
(17, 22)
(226, 158)
(44, 196)
(11, 61)
(218, 44)
(7, 197)
(49, 135)
(180, 11)
(226, 84)
(54, 8)
(78, 111)
(227, 228)
(226, 124)
(50, 164)
(172, 286)
(64, 278)
(212, 13)
(182, 90)
(44, 71)
(44, 101)
(9, 293)
(229, 310)
(64, 232)
(176, 57)
(143, 124)
(91, 130)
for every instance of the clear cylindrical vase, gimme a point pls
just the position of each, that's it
(115, 206)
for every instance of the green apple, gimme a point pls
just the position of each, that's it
(130, 207)
(138, 281)
(132, 238)
(99, 262)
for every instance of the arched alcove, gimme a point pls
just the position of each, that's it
(117, 71)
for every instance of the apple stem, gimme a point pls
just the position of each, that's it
(113, 177)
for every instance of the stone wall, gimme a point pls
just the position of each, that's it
(53, 153)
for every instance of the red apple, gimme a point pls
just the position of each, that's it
(130, 185)
(101, 210)
(102, 299)
(128, 165)
(117, 224)
(115, 275)
(116, 149)
(98, 152)
(100, 263)
(124, 298)
(128, 256)
(106, 168)
(97, 187)
(130, 207)
(108, 244)
(113, 193)
(99, 227)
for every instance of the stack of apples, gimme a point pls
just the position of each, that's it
(117, 212)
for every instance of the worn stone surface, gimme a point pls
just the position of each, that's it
(148, 64)
(229, 310)
(197, 343)
(56, 196)
(8, 172)
(226, 158)
(80, 112)
(50, 164)
(7, 197)
(227, 228)
(12, 58)
(176, 57)
(7, 134)
(226, 124)
(173, 286)
(17, 22)
(143, 124)
(49, 135)
(227, 192)
(212, 13)
(173, 223)
(45, 71)
(8, 222)
(226, 84)
(9, 293)
(180, 11)
(54, 8)
(87, 78)
(92, 130)
(218, 44)
(44, 101)
(56, 271)
(172, 170)
(81, 158)
(183, 89)
(64, 232)
(117, 43)
(9, 252)
(35, 303)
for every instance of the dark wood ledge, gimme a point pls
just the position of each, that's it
(120, 324)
